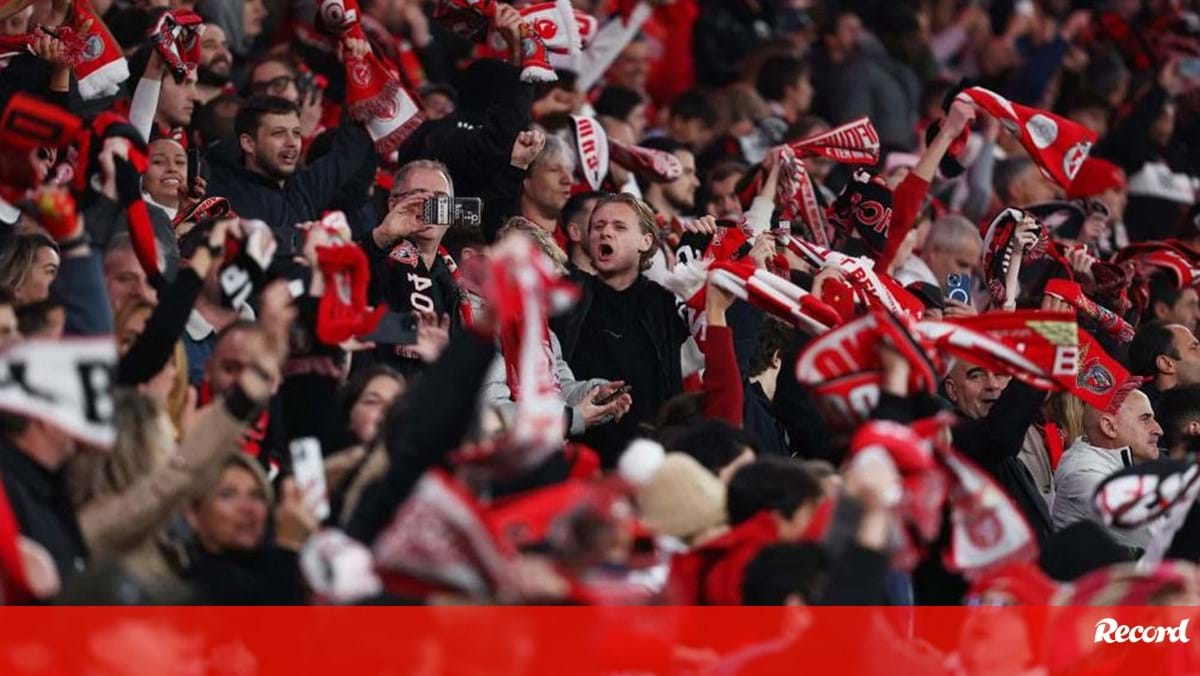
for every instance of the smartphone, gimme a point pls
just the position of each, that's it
(395, 328)
(308, 469)
(958, 287)
(1190, 68)
(624, 389)
(443, 209)
(195, 165)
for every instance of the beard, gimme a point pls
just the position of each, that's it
(271, 168)
(208, 77)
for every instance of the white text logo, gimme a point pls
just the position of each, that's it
(1109, 630)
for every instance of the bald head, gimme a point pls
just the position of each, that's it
(1132, 425)
(952, 247)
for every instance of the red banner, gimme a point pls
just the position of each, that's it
(496, 640)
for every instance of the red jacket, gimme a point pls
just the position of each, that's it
(711, 574)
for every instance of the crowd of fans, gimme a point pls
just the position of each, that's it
(600, 302)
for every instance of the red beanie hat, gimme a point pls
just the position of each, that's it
(1095, 176)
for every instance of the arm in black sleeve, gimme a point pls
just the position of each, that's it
(501, 200)
(319, 185)
(432, 426)
(154, 347)
(1128, 143)
(490, 145)
(999, 434)
(857, 578)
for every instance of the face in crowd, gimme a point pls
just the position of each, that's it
(275, 148)
(616, 240)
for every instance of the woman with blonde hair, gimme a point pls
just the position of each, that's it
(169, 387)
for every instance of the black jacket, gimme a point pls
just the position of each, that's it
(758, 420)
(42, 506)
(476, 142)
(400, 278)
(994, 442)
(428, 426)
(655, 377)
(303, 197)
(267, 576)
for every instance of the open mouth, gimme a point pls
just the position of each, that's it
(289, 157)
(172, 181)
(605, 250)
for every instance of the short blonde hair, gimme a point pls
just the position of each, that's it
(647, 220)
(542, 238)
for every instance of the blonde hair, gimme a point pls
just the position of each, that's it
(125, 314)
(542, 238)
(647, 221)
(1066, 410)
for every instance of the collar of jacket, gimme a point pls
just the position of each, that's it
(1122, 455)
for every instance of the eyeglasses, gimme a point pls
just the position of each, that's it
(275, 86)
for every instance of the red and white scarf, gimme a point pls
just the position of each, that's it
(855, 142)
(374, 94)
(1057, 145)
(102, 68)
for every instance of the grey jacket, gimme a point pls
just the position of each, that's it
(497, 394)
(1082, 468)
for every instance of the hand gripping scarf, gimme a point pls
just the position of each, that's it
(176, 38)
(343, 312)
(723, 257)
(871, 289)
(374, 94)
(244, 270)
(1070, 292)
(474, 19)
(102, 68)
(843, 371)
(855, 142)
(1057, 145)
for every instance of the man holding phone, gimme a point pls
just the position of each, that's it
(410, 271)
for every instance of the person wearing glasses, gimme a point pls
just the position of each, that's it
(278, 76)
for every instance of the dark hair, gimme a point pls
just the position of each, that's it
(777, 74)
(12, 425)
(1152, 339)
(349, 393)
(617, 102)
(781, 571)
(35, 317)
(253, 110)
(211, 125)
(803, 127)
(462, 236)
(694, 105)
(1179, 406)
(664, 144)
(17, 257)
(724, 170)
(1006, 173)
(772, 483)
(713, 443)
(7, 297)
(237, 325)
(1086, 99)
(774, 339)
(1164, 288)
(576, 203)
(566, 81)
(287, 61)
